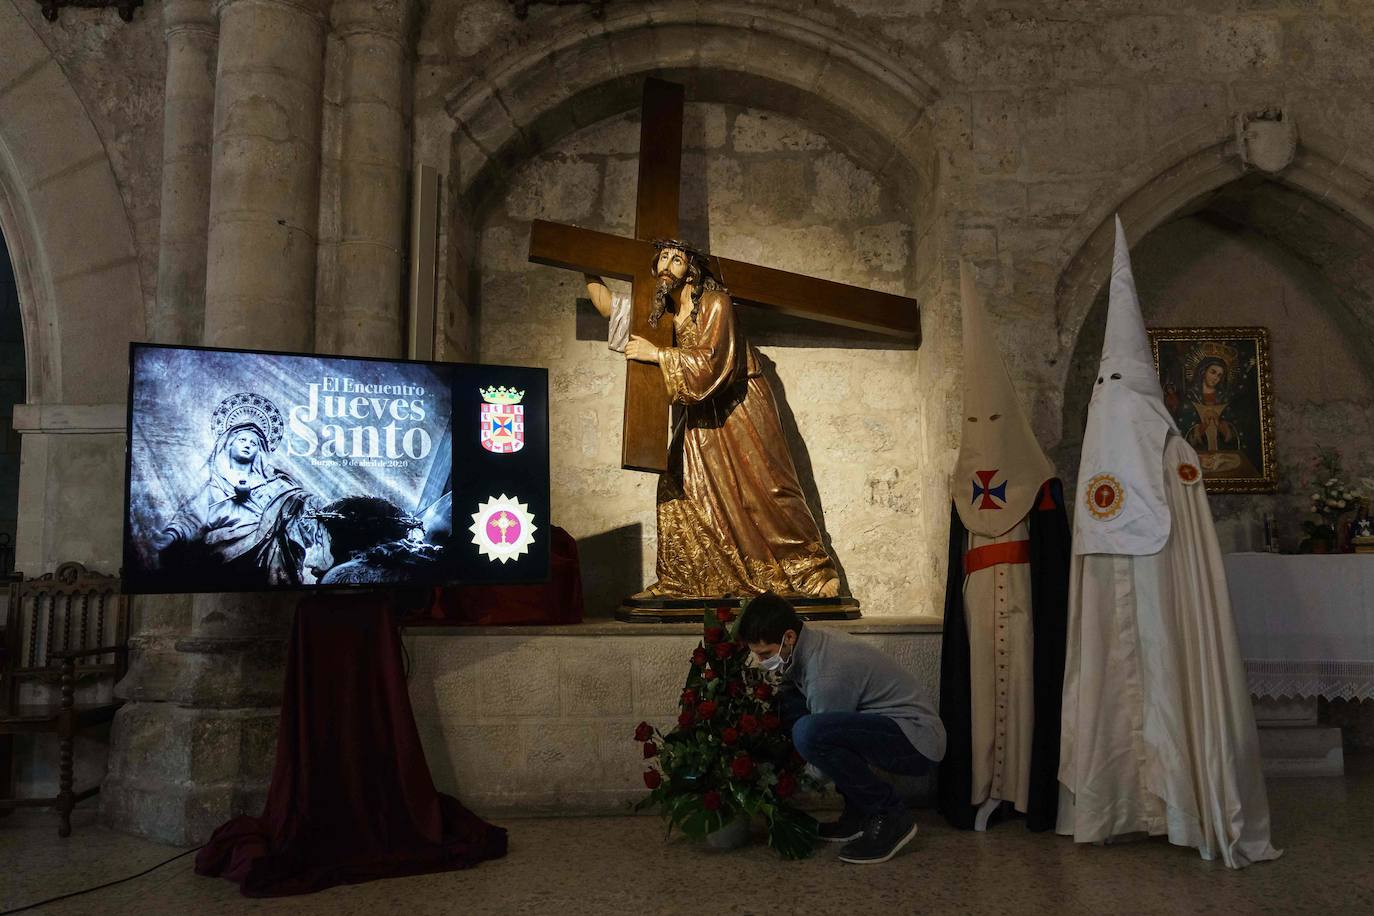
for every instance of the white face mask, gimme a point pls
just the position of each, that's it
(775, 662)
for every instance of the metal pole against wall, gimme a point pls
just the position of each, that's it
(424, 237)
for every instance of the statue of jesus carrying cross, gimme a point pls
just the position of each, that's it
(731, 516)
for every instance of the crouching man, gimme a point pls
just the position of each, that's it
(861, 710)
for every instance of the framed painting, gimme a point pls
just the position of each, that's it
(1218, 387)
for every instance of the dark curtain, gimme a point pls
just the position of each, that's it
(351, 798)
(1049, 562)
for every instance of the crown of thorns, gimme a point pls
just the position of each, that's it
(686, 247)
(402, 519)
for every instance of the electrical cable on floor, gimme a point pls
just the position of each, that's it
(30, 906)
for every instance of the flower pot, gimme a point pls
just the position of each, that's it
(734, 835)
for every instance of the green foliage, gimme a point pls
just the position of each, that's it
(728, 756)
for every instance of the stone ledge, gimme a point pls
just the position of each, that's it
(606, 626)
(70, 418)
(535, 721)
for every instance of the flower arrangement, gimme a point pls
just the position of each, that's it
(1332, 497)
(728, 756)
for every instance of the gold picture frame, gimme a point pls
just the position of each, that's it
(1218, 387)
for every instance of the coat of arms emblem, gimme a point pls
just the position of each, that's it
(503, 420)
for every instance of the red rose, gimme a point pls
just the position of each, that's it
(685, 719)
(748, 724)
(725, 649)
(652, 779)
(714, 634)
(707, 709)
(771, 722)
(742, 766)
(689, 697)
(763, 692)
(699, 657)
(729, 736)
(724, 614)
(650, 750)
(711, 800)
(644, 731)
(787, 785)
(709, 674)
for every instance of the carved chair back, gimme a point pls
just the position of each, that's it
(68, 610)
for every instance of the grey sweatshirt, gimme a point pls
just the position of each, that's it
(838, 672)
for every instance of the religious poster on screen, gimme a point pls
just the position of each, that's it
(252, 471)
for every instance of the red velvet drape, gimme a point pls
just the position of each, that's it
(351, 798)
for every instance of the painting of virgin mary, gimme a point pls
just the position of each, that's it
(1217, 387)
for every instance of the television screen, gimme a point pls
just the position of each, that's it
(250, 471)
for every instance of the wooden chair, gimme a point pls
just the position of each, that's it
(68, 628)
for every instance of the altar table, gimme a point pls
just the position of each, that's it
(1305, 623)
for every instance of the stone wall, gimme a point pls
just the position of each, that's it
(541, 720)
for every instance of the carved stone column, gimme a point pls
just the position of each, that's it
(265, 182)
(194, 745)
(361, 300)
(191, 35)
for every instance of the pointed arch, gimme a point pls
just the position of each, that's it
(68, 231)
(728, 52)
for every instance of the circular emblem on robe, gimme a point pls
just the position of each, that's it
(502, 528)
(1104, 496)
(1188, 473)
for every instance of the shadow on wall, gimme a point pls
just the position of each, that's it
(615, 579)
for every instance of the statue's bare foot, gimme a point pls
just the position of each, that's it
(830, 589)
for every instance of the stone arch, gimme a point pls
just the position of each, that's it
(727, 52)
(68, 231)
(1179, 184)
(1336, 200)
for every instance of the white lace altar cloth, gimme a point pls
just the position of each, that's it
(1305, 623)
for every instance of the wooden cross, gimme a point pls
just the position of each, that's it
(645, 435)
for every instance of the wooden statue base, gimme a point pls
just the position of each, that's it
(689, 610)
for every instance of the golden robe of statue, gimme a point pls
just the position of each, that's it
(731, 516)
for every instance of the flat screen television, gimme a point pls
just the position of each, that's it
(249, 470)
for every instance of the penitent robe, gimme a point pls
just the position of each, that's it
(1001, 674)
(1158, 731)
(1158, 734)
(731, 516)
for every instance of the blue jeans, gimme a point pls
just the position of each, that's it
(845, 746)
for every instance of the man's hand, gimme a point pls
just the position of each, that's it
(641, 350)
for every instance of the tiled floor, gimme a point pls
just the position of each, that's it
(574, 866)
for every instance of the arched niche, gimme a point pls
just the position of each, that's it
(1287, 251)
(859, 439)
